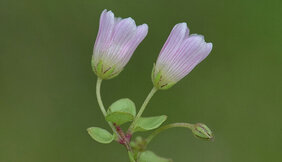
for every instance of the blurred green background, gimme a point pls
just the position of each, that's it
(47, 87)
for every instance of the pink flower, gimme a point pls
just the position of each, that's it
(179, 55)
(116, 41)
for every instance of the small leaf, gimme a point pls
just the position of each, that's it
(121, 111)
(100, 135)
(149, 123)
(149, 156)
(119, 117)
(123, 105)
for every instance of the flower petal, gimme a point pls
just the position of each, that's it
(140, 34)
(116, 41)
(193, 56)
(180, 54)
(182, 57)
(175, 39)
(106, 27)
(123, 32)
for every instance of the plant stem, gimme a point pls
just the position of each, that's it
(101, 105)
(173, 125)
(145, 103)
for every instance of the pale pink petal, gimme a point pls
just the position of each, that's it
(138, 37)
(116, 40)
(183, 54)
(123, 32)
(175, 39)
(106, 27)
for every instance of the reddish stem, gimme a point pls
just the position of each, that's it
(124, 139)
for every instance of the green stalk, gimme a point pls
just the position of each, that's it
(163, 128)
(145, 103)
(101, 105)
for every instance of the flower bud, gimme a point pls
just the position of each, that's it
(202, 131)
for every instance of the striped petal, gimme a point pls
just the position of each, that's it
(180, 54)
(116, 41)
(176, 37)
(103, 40)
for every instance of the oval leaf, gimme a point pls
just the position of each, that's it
(119, 118)
(149, 156)
(123, 105)
(149, 123)
(121, 111)
(100, 135)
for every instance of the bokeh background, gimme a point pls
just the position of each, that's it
(47, 87)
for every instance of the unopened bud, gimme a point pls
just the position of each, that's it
(202, 131)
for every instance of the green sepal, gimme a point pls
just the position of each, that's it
(167, 86)
(100, 135)
(103, 71)
(99, 68)
(158, 81)
(149, 123)
(153, 72)
(108, 73)
(114, 74)
(156, 78)
(149, 156)
(121, 111)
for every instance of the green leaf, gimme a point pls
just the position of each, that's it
(123, 105)
(100, 135)
(149, 156)
(149, 123)
(121, 111)
(119, 117)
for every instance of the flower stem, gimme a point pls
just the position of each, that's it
(163, 128)
(145, 103)
(101, 105)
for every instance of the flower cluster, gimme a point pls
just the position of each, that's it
(116, 41)
(118, 38)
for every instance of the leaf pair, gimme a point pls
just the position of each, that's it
(120, 112)
(124, 110)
